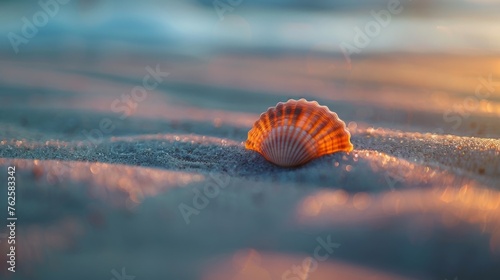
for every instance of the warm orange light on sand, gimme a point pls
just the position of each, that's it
(312, 206)
(361, 201)
(247, 265)
(119, 186)
(473, 205)
(253, 265)
(425, 170)
(108, 180)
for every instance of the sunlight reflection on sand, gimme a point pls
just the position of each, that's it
(251, 264)
(445, 207)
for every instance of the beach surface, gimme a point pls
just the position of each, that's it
(135, 165)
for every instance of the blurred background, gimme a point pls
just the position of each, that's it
(334, 49)
(196, 27)
(105, 167)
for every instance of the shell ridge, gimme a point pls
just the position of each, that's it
(340, 127)
(290, 135)
(281, 148)
(329, 137)
(283, 152)
(272, 143)
(299, 133)
(295, 147)
(275, 130)
(269, 144)
(281, 144)
(304, 156)
(302, 146)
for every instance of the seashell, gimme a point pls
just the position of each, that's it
(298, 131)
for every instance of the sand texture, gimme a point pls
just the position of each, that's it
(417, 198)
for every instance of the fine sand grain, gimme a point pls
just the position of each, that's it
(167, 187)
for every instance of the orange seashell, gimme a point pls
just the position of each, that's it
(298, 131)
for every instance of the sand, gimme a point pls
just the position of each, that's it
(166, 190)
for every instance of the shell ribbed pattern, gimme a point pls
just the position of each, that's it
(298, 131)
